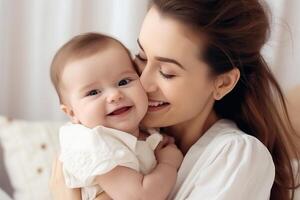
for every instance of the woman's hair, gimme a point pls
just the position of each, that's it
(235, 31)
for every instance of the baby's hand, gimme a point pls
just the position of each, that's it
(168, 153)
(165, 141)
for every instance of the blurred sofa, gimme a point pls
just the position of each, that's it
(26, 155)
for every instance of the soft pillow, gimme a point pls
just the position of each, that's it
(28, 150)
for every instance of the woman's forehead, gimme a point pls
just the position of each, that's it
(165, 36)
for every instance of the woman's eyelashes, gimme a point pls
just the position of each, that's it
(142, 59)
(140, 64)
(166, 76)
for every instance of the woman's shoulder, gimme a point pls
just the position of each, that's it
(238, 143)
(227, 132)
(229, 141)
(224, 159)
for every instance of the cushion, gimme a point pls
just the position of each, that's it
(28, 152)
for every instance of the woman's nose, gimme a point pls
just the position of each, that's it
(147, 79)
(114, 96)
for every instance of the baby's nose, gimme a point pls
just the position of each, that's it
(114, 96)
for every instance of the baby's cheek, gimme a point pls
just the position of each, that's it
(95, 114)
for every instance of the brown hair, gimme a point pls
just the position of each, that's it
(236, 32)
(78, 47)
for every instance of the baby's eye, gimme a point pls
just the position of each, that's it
(93, 92)
(124, 82)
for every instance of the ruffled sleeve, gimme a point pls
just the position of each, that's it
(86, 153)
(232, 167)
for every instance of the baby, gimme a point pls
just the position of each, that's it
(102, 148)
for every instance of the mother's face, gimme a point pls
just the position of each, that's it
(178, 83)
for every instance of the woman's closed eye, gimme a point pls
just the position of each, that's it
(141, 58)
(93, 92)
(140, 63)
(166, 76)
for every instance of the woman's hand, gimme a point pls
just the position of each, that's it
(58, 187)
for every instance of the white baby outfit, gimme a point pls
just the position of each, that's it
(87, 153)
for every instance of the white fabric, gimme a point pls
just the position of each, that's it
(87, 153)
(225, 164)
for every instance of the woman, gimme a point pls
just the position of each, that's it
(210, 88)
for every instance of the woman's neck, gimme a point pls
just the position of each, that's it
(188, 133)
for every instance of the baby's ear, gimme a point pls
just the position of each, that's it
(69, 112)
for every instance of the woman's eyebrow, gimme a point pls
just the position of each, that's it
(163, 59)
(169, 60)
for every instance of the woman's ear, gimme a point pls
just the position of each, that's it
(224, 83)
(69, 112)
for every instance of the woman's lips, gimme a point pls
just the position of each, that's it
(120, 111)
(156, 105)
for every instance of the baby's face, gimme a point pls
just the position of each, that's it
(104, 89)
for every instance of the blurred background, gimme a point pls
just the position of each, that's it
(31, 31)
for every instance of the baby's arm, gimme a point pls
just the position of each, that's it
(125, 183)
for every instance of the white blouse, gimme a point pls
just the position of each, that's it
(225, 164)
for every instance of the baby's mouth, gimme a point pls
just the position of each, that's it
(120, 111)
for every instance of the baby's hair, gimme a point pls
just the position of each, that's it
(80, 46)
